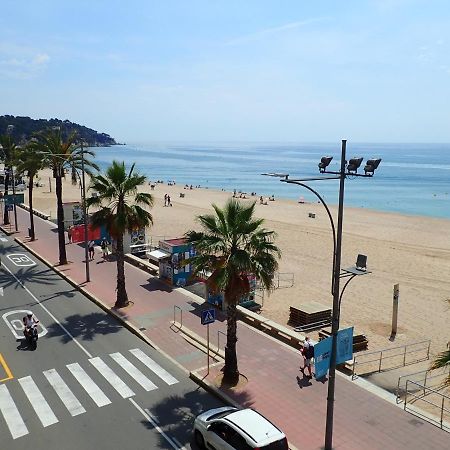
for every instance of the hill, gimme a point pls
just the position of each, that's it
(25, 127)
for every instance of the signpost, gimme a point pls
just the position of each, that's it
(208, 316)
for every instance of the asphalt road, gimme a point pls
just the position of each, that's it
(90, 384)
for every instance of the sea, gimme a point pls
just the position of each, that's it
(411, 179)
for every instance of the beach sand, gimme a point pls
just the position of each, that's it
(410, 250)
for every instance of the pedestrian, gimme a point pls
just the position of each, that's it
(91, 250)
(165, 199)
(69, 234)
(308, 355)
(104, 247)
(168, 200)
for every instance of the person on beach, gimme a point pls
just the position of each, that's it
(165, 199)
(91, 250)
(308, 355)
(169, 203)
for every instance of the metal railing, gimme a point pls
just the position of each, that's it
(399, 357)
(175, 308)
(428, 378)
(436, 408)
(218, 342)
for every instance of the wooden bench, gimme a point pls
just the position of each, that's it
(360, 341)
(141, 263)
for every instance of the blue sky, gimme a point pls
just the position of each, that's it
(285, 71)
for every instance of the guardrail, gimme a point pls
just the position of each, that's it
(437, 405)
(397, 355)
(35, 211)
(428, 378)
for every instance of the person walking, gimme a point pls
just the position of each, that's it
(104, 247)
(91, 250)
(308, 355)
(165, 199)
(169, 203)
(69, 234)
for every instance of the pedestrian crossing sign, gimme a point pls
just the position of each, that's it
(208, 316)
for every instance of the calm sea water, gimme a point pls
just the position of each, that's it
(411, 179)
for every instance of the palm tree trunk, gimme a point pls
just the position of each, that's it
(60, 221)
(230, 371)
(122, 296)
(6, 213)
(30, 204)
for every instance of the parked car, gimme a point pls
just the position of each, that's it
(230, 428)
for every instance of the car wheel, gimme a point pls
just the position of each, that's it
(199, 439)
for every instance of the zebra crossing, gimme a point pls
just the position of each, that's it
(106, 367)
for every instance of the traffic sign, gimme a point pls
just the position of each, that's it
(9, 207)
(208, 316)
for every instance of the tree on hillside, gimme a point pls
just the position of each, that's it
(8, 153)
(58, 155)
(232, 246)
(120, 210)
(29, 162)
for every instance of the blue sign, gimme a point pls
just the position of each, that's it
(344, 345)
(322, 351)
(10, 199)
(208, 316)
(9, 207)
(322, 356)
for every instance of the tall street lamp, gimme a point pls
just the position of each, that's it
(347, 168)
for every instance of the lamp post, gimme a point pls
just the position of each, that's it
(346, 169)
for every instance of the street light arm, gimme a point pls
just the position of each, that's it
(329, 217)
(342, 293)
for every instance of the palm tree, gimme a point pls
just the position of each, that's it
(59, 155)
(8, 153)
(443, 360)
(120, 211)
(29, 162)
(231, 246)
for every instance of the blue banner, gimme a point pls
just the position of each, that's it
(322, 355)
(344, 345)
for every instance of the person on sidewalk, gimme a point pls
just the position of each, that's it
(308, 355)
(104, 247)
(69, 235)
(91, 246)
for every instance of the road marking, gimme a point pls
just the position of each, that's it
(38, 402)
(9, 375)
(11, 414)
(17, 324)
(48, 312)
(155, 425)
(64, 393)
(111, 377)
(89, 385)
(133, 371)
(3, 239)
(21, 260)
(154, 366)
(1, 291)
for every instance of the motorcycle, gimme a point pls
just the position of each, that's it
(31, 336)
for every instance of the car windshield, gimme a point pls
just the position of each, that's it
(219, 415)
(278, 445)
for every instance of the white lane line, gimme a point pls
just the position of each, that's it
(156, 426)
(64, 393)
(154, 366)
(11, 414)
(133, 371)
(1, 291)
(111, 377)
(48, 312)
(3, 239)
(89, 385)
(38, 402)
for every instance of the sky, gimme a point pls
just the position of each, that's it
(210, 70)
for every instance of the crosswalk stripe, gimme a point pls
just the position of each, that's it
(38, 402)
(89, 385)
(11, 414)
(64, 393)
(154, 366)
(133, 371)
(111, 377)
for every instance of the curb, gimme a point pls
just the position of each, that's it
(8, 233)
(126, 323)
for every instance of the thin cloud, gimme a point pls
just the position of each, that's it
(24, 68)
(275, 30)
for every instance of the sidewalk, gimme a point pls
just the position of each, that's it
(275, 385)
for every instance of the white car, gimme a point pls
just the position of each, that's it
(230, 428)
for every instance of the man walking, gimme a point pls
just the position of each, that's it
(308, 355)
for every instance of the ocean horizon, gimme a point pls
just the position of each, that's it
(412, 179)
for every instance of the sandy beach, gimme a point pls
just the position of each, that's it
(409, 250)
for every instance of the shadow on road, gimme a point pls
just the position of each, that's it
(84, 327)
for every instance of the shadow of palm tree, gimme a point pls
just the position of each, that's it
(34, 274)
(176, 414)
(85, 327)
(155, 284)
